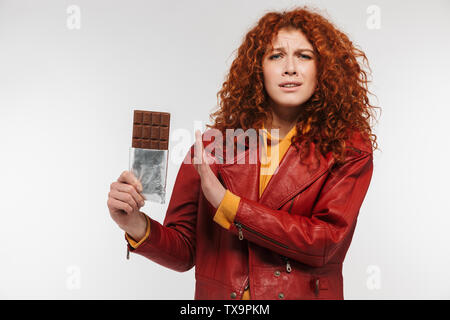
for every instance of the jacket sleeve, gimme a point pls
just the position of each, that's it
(310, 240)
(172, 244)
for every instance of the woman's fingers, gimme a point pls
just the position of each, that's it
(198, 148)
(129, 178)
(122, 187)
(127, 182)
(117, 204)
(201, 160)
(127, 188)
(125, 197)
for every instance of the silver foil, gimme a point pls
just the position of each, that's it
(150, 167)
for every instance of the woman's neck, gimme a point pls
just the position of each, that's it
(283, 119)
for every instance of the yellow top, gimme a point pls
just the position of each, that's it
(227, 209)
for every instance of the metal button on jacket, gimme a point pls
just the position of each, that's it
(233, 295)
(281, 295)
(277, 273)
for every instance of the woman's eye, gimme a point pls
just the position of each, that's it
(304, 56)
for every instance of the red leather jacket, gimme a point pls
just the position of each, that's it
(288, 244)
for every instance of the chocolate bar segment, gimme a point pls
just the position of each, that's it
(151, 130)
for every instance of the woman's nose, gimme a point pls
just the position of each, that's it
(290, 67)
(290, 72)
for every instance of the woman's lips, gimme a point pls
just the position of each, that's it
(290, 89)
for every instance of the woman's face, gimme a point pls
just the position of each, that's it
(292, 60)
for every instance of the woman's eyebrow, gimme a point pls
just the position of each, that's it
(296, 51)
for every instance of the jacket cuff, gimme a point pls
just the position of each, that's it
(227, 209)
(133, 242)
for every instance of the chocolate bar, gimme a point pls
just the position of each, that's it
(149, 152)
(151, 130)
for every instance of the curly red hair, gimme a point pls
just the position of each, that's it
(339, 104)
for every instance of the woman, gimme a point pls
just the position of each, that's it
(253, 232)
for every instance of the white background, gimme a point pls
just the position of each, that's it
(66, 101)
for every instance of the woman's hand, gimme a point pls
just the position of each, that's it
(211, 186)
(124, 201)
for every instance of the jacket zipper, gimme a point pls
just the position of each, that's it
(292, 203)
(240, 226)
(316, 287)
(247, 284)
(288, 264)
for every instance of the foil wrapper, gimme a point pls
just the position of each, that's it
(150, 167)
